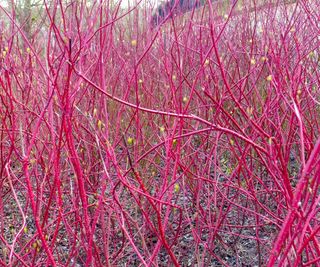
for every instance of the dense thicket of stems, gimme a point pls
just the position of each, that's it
(191, 142)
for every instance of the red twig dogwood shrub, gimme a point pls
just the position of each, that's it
(191, 142)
